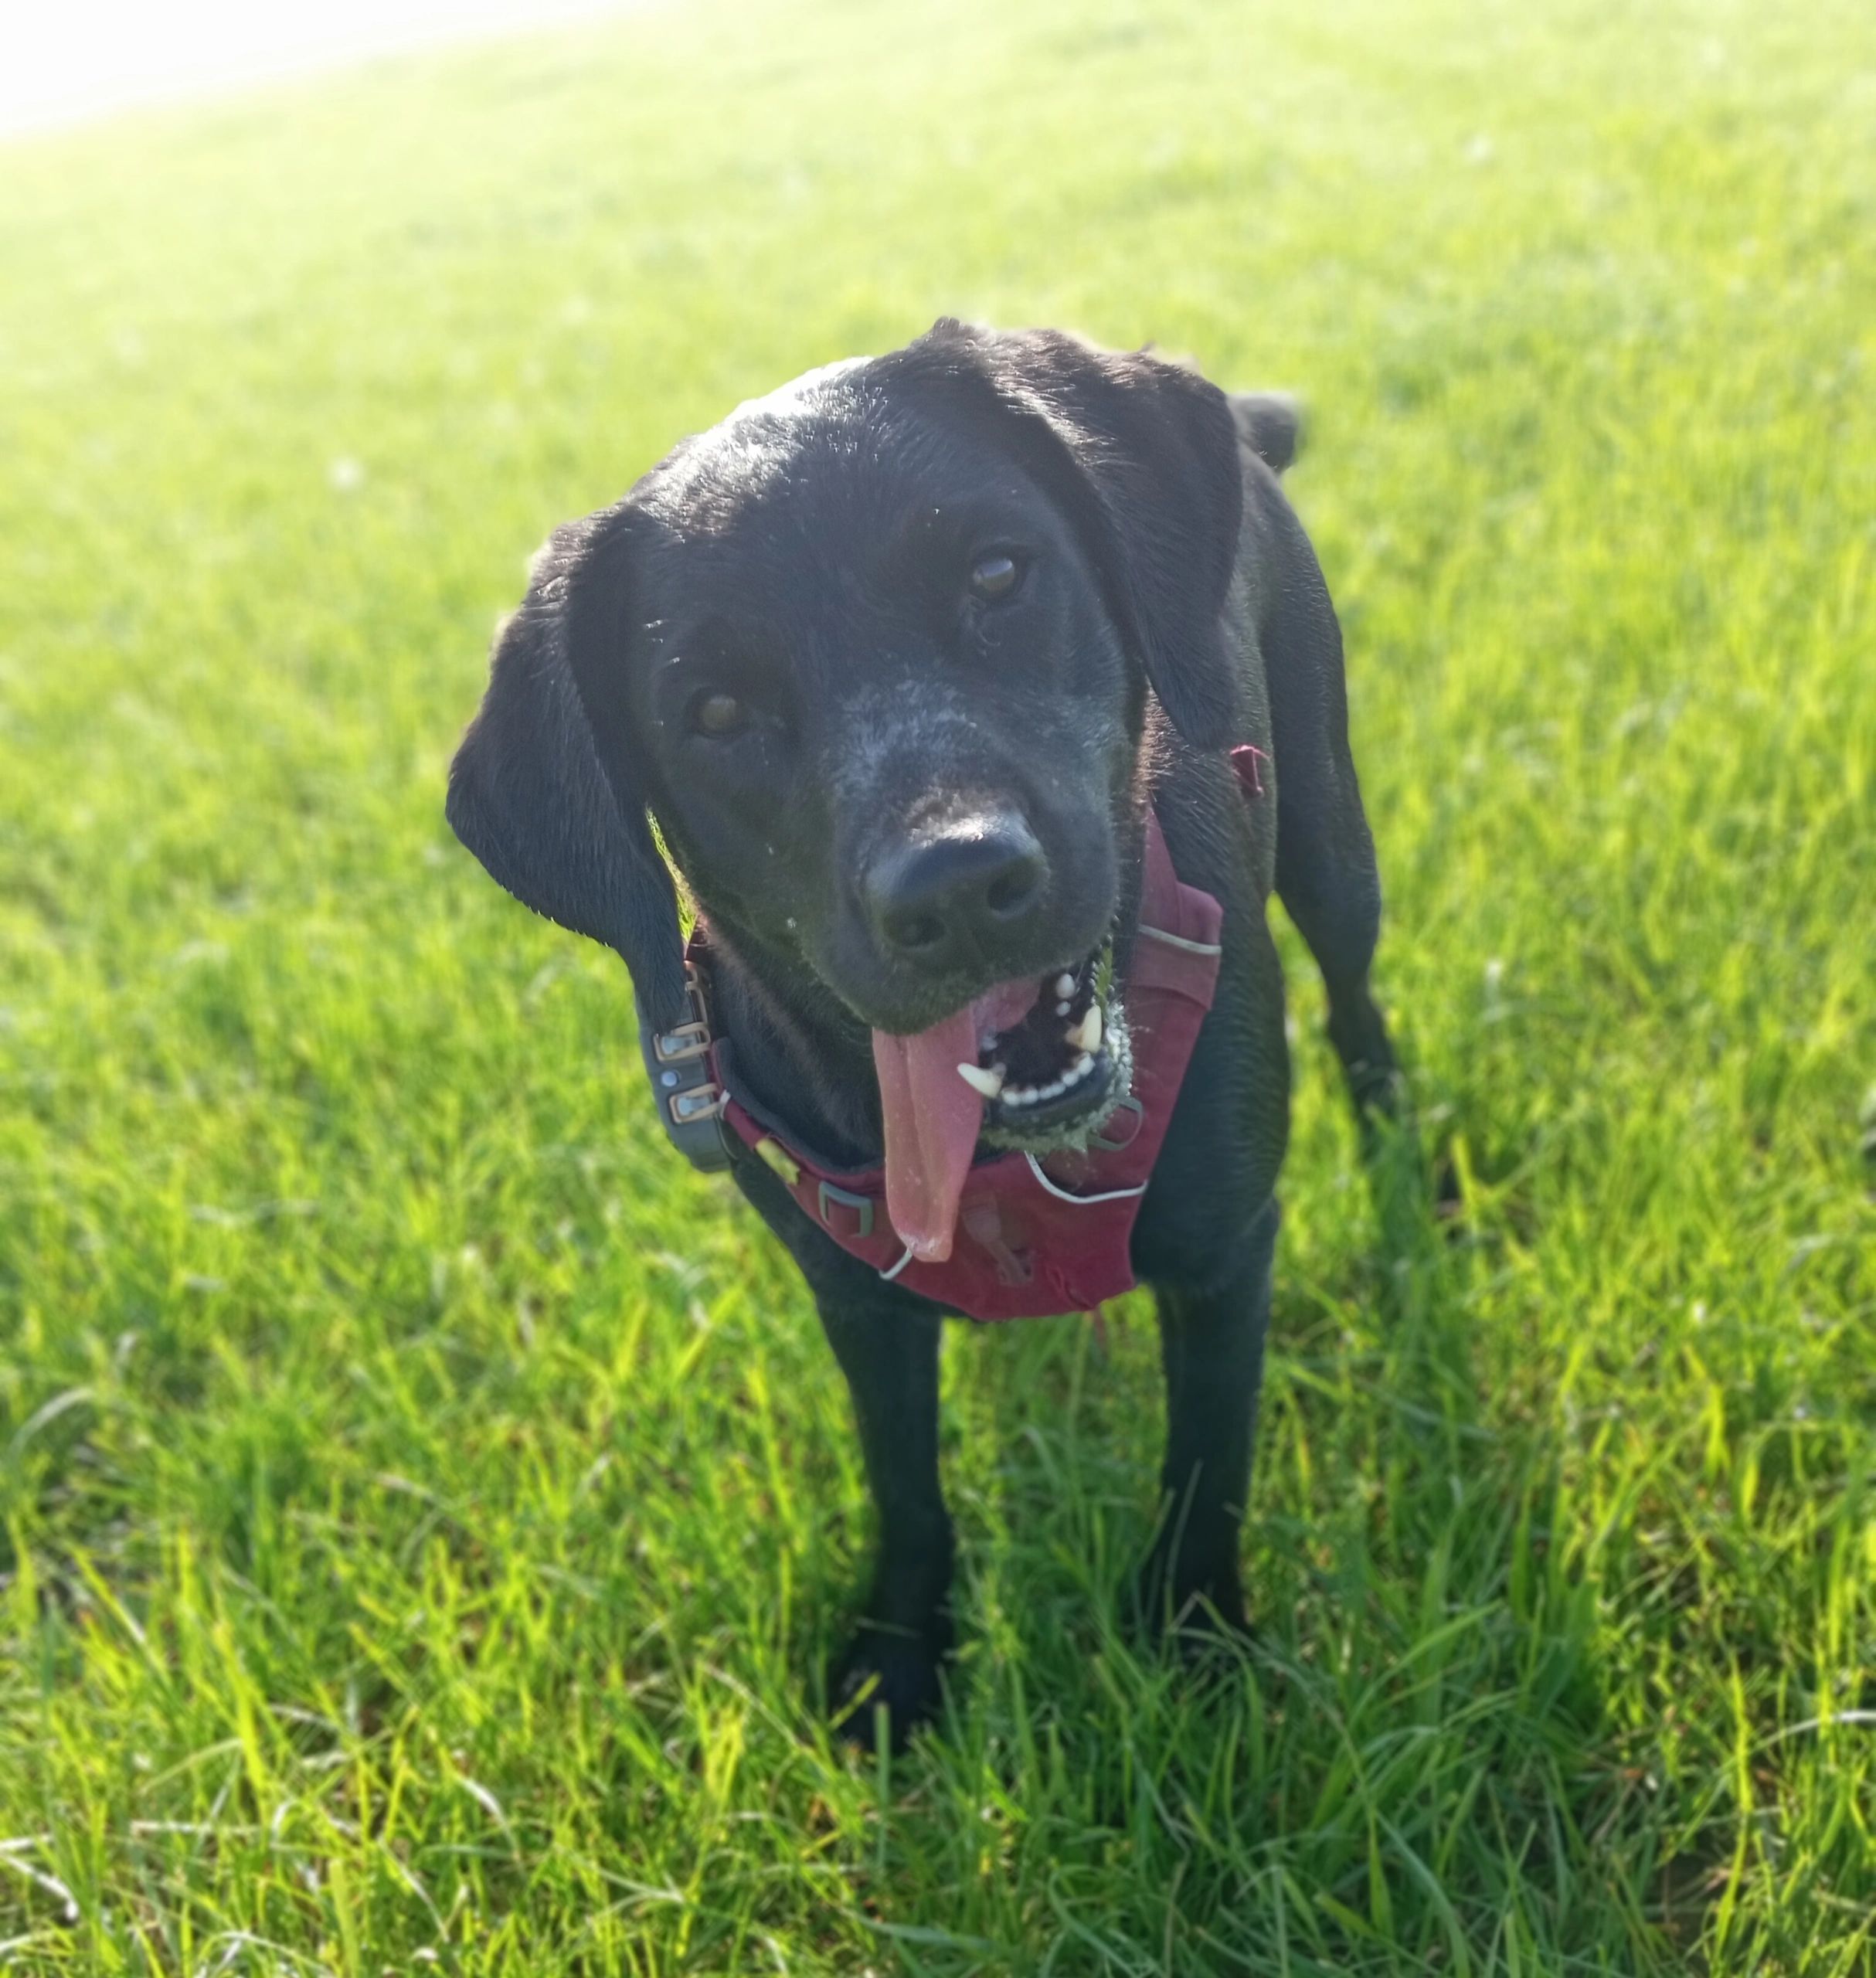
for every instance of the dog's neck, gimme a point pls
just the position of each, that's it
(802, 1055)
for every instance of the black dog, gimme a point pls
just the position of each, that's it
(915, 664)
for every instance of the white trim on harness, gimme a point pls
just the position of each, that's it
(1061, 1194)
(1180, 941)
(1080, 1201)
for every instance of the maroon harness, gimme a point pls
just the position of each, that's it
(1036, 1234)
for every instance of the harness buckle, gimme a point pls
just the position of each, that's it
(861, 1205)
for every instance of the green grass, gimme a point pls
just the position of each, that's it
(426, 1507)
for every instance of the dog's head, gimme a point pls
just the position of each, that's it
(875, 653)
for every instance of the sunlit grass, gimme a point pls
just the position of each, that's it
(427, 1506)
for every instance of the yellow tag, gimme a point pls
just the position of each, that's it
(772, 1153)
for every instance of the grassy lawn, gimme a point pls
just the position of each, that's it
(427, 1506)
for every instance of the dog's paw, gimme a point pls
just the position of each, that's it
(1204, 1632)
(1210, 1642)
(1195, 1614)
(886, 1682)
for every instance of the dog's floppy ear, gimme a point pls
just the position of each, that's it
(1145, 452)
(528, 793)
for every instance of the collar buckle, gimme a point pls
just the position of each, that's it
(681, 1067)
(680, 1046)
(690, 1039)
(696, 1104)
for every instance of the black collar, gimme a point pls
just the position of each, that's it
(682, 1066)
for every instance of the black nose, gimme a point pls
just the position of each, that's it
(958, 897)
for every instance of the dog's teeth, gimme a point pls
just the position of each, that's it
(1064, 985)
(1083, 1066)
(1086, 1035)
(1019, 1095)
(989, 1083)
(1061, 1009)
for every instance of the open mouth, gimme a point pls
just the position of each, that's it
(1053, 1063)
(1032, 1063)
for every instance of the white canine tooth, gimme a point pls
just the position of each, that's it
(1086, 1035)
(989, 1083)
(1064, 985)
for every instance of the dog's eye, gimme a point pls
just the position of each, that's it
(994, 577)
(714, 713)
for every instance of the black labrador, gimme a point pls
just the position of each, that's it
(899, 659)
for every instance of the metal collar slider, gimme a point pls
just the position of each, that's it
(690, 1039)
(690, 1097)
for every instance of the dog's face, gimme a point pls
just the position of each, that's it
(875, 653)
(871, 691)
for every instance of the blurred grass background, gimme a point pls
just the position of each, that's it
(426, 1507)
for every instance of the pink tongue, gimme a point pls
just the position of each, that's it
(932, 1117)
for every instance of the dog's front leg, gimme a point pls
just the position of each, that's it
(887, 1348)
(1212, 1346)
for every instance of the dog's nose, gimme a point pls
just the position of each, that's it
(957, 897)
